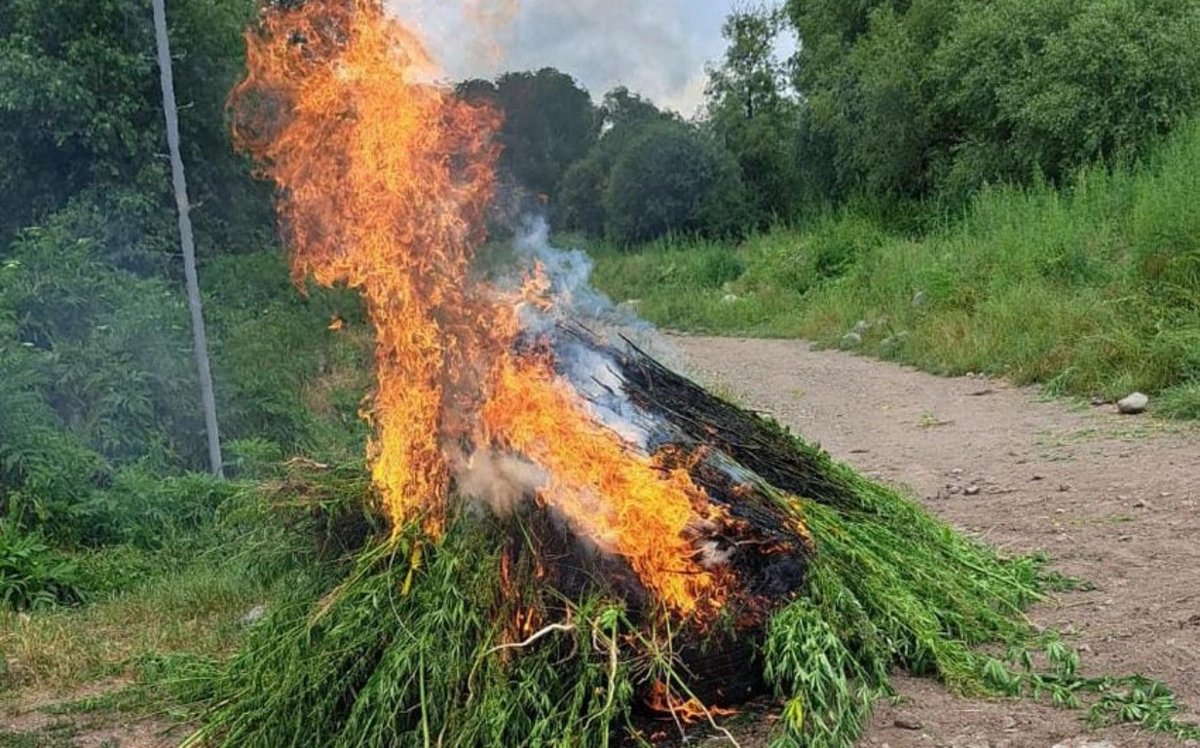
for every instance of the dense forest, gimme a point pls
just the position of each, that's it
(966, 185)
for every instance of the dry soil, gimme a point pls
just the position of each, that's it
(1112, 499)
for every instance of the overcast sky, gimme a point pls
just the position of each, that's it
(655, 47)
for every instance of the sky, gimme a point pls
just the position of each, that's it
(657, 48)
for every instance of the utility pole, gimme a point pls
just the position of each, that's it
(199, 339)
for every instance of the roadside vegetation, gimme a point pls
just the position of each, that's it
(1092, 289)
(1003, 188)
(963, 185)
(122, 563)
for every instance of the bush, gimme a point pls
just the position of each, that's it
(671, 179)
(940, 97)
(148, 511)
(32, 574)
(1053, 86)
(111, 349)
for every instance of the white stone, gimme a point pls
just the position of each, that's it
(1134, 404)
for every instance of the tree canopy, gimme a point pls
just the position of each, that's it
(926, 96)
(80, 113)
(672, 178)
(549, 124)
(753, 112)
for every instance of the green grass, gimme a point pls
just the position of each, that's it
(1093, 290)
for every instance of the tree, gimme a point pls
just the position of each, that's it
(549, 124)
(672, 178)
(623, 116)
(940, 96)
(861, 70)
(80, 111)
(624, 110)
(750, 111)
(1067, 83)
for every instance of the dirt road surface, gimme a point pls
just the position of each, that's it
(1112, 499)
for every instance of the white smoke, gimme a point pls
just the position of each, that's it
(499, 482)
(592, 373)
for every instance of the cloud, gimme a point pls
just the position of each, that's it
(657, 48)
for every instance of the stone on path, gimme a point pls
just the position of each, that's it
(1135, 404)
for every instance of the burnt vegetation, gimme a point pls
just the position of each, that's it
(918, 162)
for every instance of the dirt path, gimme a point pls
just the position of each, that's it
(1113, 499)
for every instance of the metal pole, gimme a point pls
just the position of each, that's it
(185, 235)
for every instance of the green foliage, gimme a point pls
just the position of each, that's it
(671, 179)
(549, 124)
(96, 370)
(111, 345)
(144, 510)
(32, 574)
(939, 97)
(1067, 83)
(750, 112)
(403, 652)
(98, 390)
(1094, 288)
(81, 109)
(281, 374)
(581, 202)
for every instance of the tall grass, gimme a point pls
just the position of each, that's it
(1091, 290)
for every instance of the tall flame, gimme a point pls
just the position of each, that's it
(384, 178)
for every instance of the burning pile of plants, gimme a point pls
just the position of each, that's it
(582, 546)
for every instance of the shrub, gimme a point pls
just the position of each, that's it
(32, 574)
(671, 179)
(148, 511)
(940, 97)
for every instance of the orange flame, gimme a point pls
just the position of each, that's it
(689, 711)
(616, 498)
(384, 179)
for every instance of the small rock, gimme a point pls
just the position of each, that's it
(1038, 478)
(862, 327)
(1125, 539)
(731, 299)
(852, 340)
(956, 471)
(1135, 404)
(907, 723)
(972, 491)
(1064, 488)
(1099, 402)
(918, 299)
(1009, 724)
(1142, 504)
